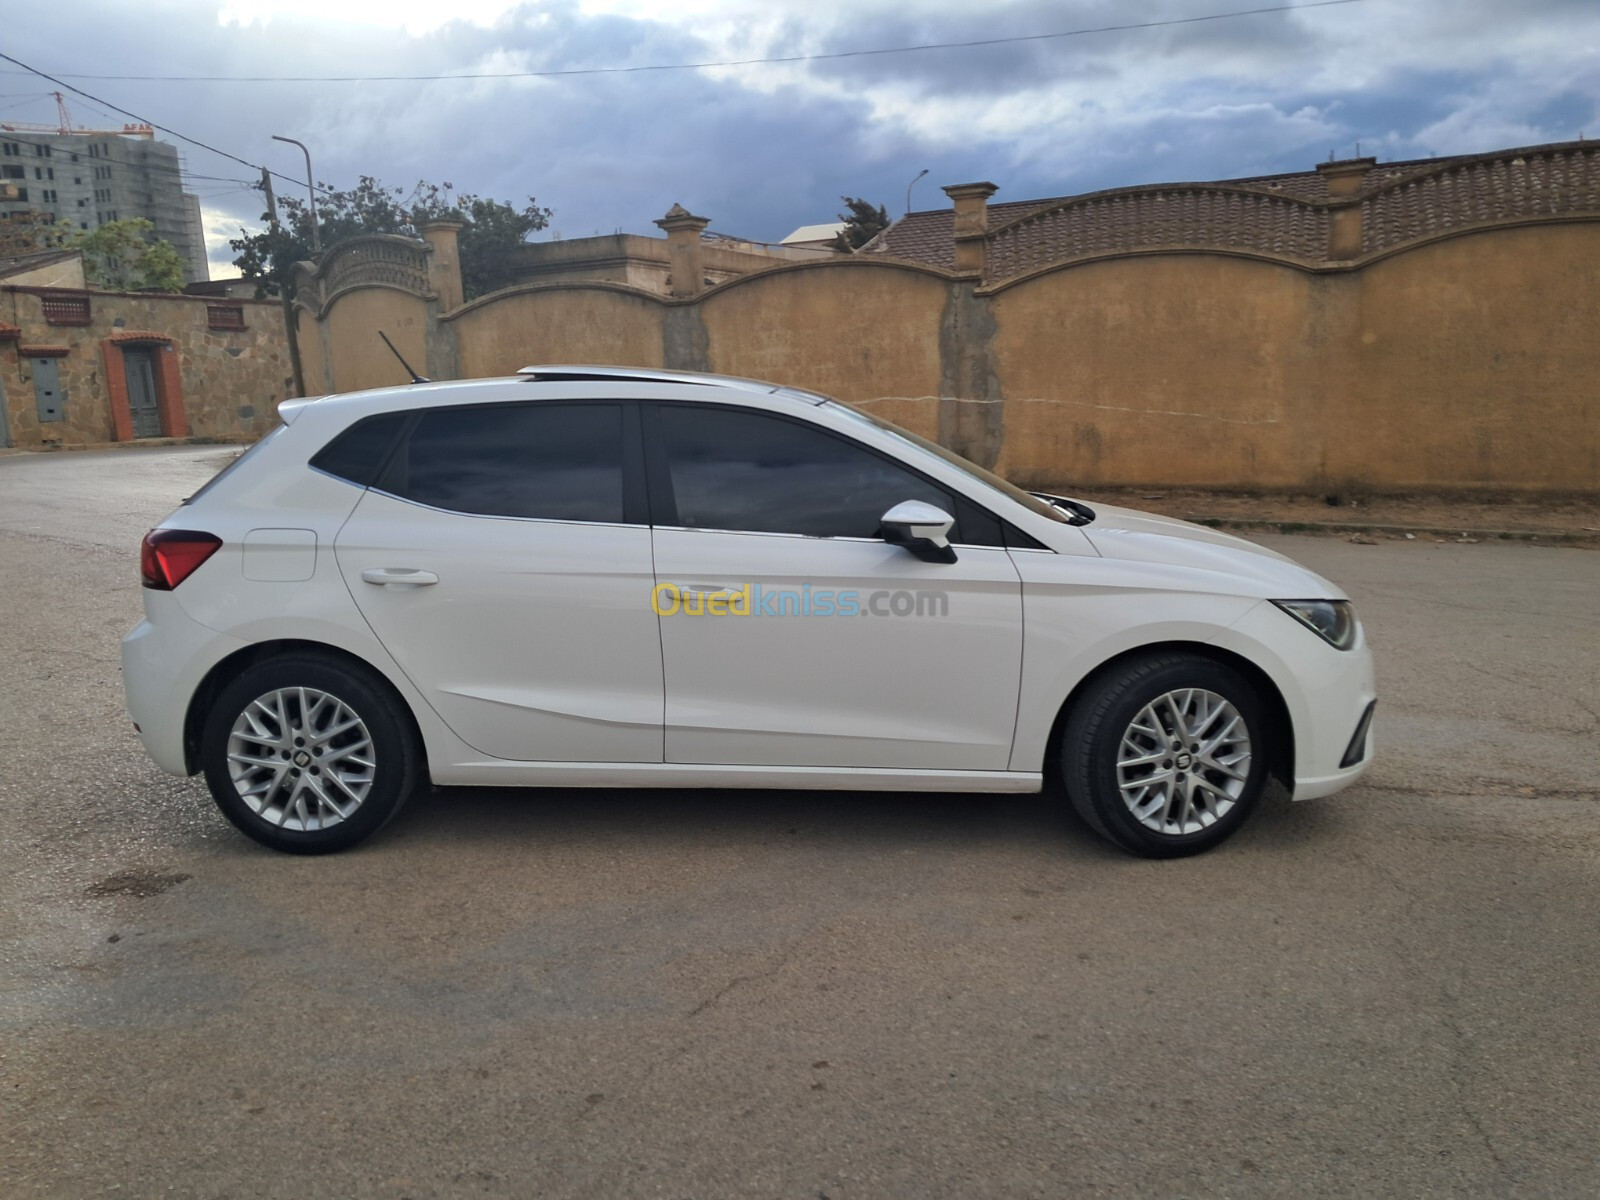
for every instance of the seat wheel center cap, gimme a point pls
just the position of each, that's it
(1184, 762)
(302, 759)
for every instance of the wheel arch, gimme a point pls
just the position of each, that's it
(227, 669)
(1280, 743)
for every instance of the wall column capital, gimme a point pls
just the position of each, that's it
(443, 236)
(971, 201)
(1344, 180)
(683, 230)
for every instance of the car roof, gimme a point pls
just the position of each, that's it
(556, 373)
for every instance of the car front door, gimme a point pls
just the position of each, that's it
(504, 560)
(792, 634)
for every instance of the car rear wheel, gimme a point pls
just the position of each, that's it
(1166, 755)
(308, 755)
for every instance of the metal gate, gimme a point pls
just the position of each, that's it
(47, 388)
(142, 404)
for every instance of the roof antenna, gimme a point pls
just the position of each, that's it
(415, 378)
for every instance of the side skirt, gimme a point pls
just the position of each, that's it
(497, 773)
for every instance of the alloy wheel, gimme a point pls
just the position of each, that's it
(1183, 761)
(301, 759)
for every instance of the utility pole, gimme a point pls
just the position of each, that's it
(291, 329)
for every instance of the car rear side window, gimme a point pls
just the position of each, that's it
(358, 454)
(763, 474)
(559, 462)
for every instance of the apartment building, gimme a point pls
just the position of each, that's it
(89, 177)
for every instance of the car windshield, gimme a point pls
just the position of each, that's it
(1027, 499)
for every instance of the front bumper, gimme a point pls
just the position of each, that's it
(1327, 692)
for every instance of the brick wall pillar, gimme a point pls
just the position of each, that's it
(971, 201)
(1344, 180)
(444, 264)
(684, 253)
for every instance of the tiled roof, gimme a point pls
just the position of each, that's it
(929, 237)
(1282, 216)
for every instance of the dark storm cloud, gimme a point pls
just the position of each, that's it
(985, 70)
(762, 150)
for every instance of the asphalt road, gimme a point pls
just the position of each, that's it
(617, 994)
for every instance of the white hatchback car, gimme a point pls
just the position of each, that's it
(586, 576)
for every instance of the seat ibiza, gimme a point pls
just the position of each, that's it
(602, 577)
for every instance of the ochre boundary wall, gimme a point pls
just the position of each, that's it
(1467, 360)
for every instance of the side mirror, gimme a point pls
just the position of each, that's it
(922, 528)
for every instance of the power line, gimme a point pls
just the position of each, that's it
(77, 91)
(744, 62)
(109, 159)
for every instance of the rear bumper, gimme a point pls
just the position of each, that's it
(164, 660)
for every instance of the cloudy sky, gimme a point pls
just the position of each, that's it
(761, 149)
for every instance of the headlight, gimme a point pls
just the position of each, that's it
(1333, 620)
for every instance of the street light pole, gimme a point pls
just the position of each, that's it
(311, 190)
(911, 185)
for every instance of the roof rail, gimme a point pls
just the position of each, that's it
(567, 374)
(596, 374)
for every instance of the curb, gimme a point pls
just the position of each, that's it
(136, 444)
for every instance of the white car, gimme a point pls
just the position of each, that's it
(605, 577)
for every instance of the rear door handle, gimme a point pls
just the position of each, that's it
(398, 577)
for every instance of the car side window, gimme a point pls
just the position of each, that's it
(759, 473)
(358, 454)
(560, 462)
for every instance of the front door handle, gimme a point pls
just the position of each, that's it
(398, 577)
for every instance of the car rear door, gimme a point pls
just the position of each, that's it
(504, 560)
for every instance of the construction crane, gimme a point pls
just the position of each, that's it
(64, 128)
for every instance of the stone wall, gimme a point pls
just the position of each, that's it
(1462, 358)
(218, 383)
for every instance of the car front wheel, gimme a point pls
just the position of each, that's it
(1166, 755)
(308, 755)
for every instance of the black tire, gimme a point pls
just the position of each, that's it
(1093, 737)
(382, 780)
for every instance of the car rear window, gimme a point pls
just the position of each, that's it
(359, 453)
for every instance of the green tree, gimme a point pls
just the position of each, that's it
(121, 256)
(861, 224)
(493, 229)
(31, 231)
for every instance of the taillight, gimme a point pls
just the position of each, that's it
(169, 556)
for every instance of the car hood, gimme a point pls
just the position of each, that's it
(1130, 535)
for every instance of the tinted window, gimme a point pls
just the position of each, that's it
(558, 461)
(359, 452)
(749, 471)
